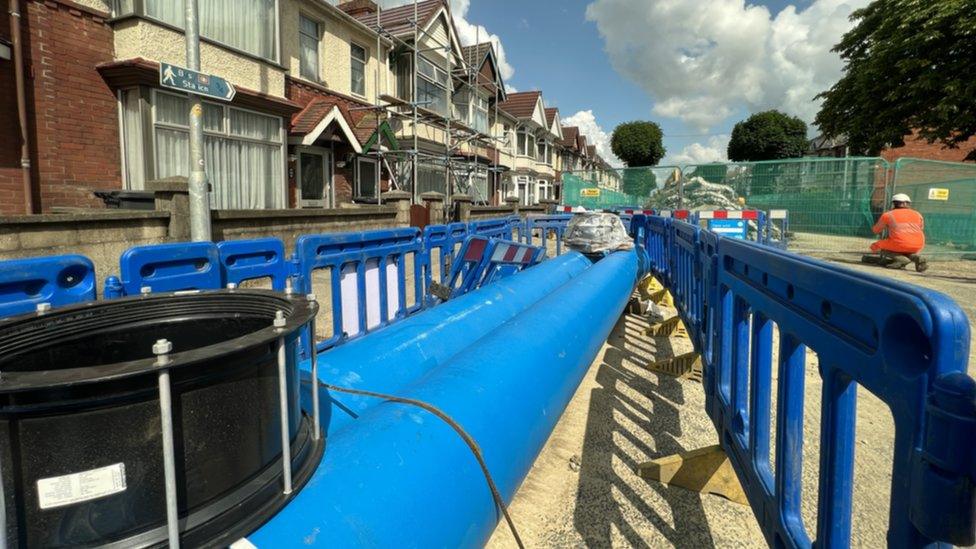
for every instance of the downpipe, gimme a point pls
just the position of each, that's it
(401, 477)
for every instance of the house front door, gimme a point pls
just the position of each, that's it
(315, 176)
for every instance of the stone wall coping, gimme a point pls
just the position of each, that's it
(90, 216)
(225, 215)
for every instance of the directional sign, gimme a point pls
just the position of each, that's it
(186, 80)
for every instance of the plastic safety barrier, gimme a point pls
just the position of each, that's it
(544, 226)
(446, 240)
(904, 344)
(57, 280)
(657, 246)
(166, 268)
(492, 228)
(242, 260)
(686, 275)
(777, 229)
(483, 260)
(368, 277)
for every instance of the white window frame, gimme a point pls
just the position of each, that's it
(318, 47)
(153, 123)
(364, 61)
(530, 150)
(376, 170)
(438, 74)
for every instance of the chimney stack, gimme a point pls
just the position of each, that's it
(358, 7)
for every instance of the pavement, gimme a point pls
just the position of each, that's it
(582, 490)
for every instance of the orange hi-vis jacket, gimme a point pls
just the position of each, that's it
(906, 231)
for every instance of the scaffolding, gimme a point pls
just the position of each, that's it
(460, 166)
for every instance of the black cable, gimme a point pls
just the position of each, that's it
(472, 445)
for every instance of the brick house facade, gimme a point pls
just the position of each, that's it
(72, 113)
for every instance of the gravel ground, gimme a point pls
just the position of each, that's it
(582, 489)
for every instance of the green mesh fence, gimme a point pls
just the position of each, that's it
(588, 190)
(835, 196)
(832, 202)
(945, 194)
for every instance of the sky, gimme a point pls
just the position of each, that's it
(696, 67)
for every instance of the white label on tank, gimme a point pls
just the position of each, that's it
(83, 486)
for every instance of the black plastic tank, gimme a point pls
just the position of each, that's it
(81, 451)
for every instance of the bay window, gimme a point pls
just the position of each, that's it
(431, 177)
(357, 65)
(526, 142)
(472, 109)
(247, 25)
(242, 148)
(432, 87)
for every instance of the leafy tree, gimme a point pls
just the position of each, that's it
(638, 182)
(769, 135)
(638, 143)
(910, 66)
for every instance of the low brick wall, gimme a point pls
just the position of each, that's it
(290, 224)
(489, 212)
(101, 235)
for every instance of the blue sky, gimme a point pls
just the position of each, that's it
(554, 48)
(693, 66)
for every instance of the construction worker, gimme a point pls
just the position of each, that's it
(906, 236)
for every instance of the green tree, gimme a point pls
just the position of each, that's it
(910, 66)
(638, 143)
(638, 182)
(769, 135)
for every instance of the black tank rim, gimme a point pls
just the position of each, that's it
(298, 309)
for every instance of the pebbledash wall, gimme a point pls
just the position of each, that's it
(72, 113)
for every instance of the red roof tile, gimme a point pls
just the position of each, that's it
(551, 113)
(520, 104)
(397, 20)
(570, 135)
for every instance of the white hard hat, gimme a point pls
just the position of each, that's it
(901, 197)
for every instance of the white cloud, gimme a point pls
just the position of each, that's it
(713, 151)
(702, 60)
(595, 135)
(468, 33)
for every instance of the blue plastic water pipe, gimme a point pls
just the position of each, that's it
(400, 477)
(393, 357)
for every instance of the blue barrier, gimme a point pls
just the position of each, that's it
(545, 225)
(447, 240)
(906, 345)
(686, 275)
(493, 228)
(57, 280)
(657, 246)
(368, 278)
(242, 260)
(166, 268)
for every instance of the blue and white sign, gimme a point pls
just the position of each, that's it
(731, 228)
(186, 80)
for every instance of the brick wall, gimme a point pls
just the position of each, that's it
(919, 148)
(72, 112)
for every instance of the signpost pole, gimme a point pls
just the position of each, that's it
(198, 185)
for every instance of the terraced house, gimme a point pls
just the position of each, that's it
(337, 102)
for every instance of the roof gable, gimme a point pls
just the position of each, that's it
(522, 105)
